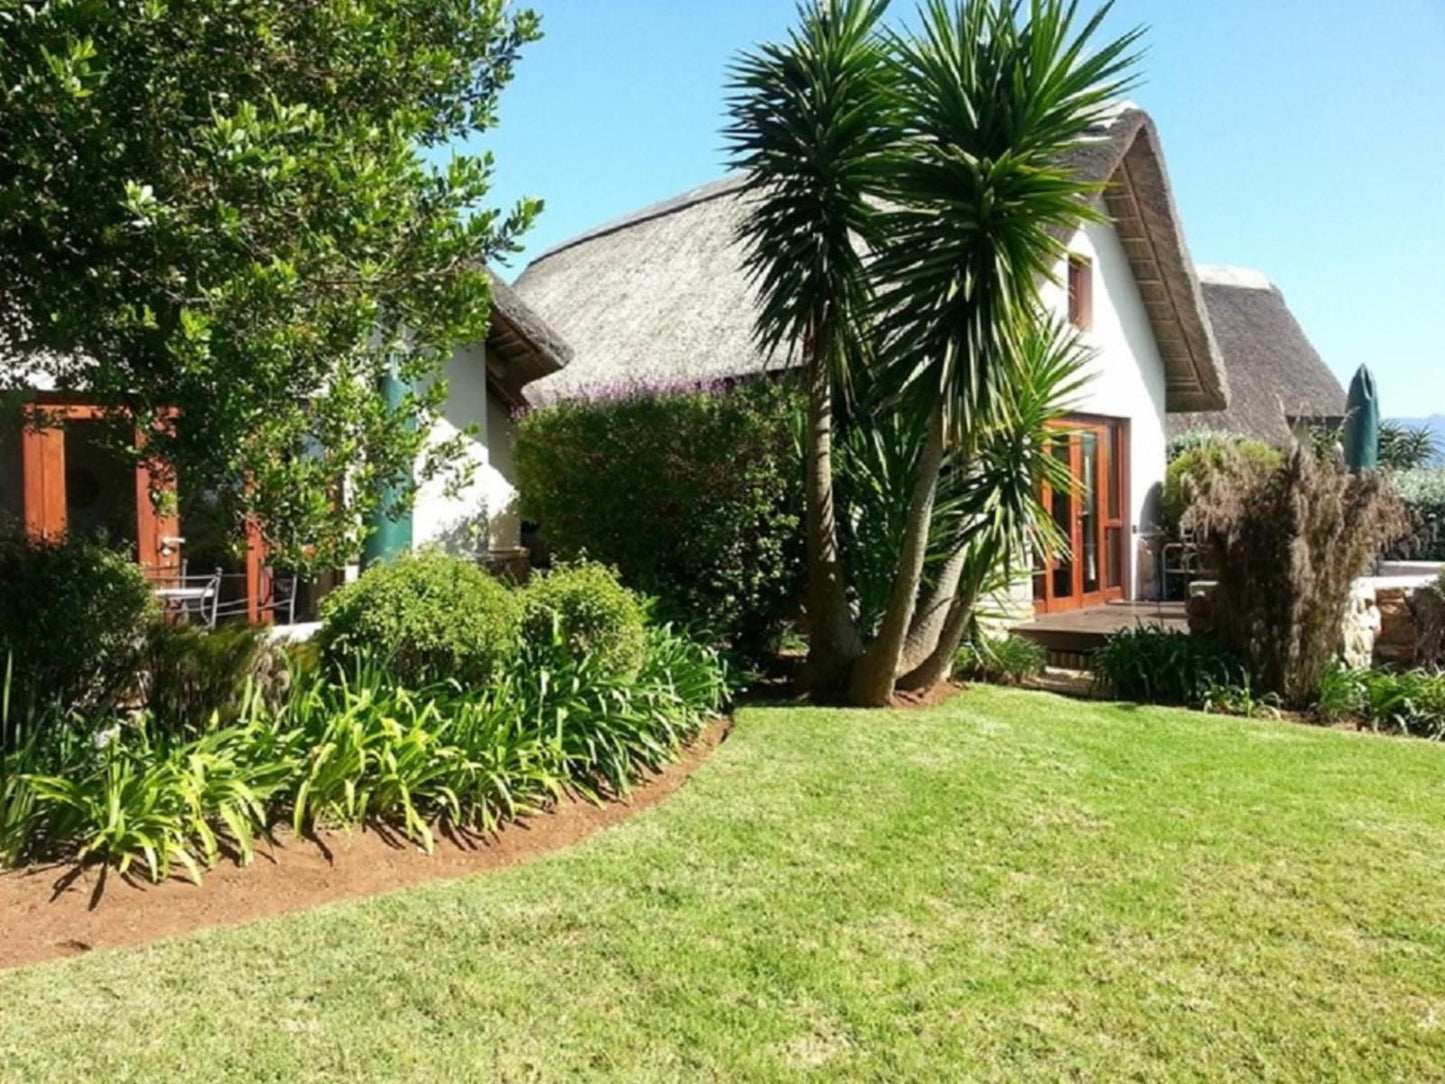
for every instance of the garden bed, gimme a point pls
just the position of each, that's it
(54, 910)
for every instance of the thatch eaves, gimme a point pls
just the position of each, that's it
(521, 347)
(1276, 377)
(660, 298)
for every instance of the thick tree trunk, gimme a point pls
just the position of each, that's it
(832, 632)
(938, 665)
(932, 613)
(873, 674)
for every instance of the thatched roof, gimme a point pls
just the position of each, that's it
(1275, 375)
(522, 347)
(660, 297)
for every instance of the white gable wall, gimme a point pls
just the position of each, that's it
(483, 515)
(1127, 374)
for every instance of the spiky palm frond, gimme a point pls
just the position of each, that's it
(808, 123)
(1407, 447)
(979, 194)
(990, 500)
(1002, 494)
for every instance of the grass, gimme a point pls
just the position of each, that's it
(1007, 886)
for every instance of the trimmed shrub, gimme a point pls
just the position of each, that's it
(694, 498)
(73, 619)
(1423, 492)
(1192, 468)
(1153, 665)
(427, 616)
(585, 606)
(1007, 660)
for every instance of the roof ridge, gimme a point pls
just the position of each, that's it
(1244, 278)
(722, 186)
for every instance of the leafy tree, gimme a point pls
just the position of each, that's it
(216, 218)
(939, 152)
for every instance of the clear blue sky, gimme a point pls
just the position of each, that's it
(1305, 138)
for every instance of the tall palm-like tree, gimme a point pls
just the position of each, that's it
(909, 189)
(810, 124)
(981, 202)
(997, 503)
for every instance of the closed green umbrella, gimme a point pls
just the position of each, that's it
(388, 536)
(1362, 423)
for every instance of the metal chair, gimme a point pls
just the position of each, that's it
(281, 602)
(184, 596)
(1180, 559)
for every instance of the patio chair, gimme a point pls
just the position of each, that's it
(186, 597)
(280, 603)
(1180, 559)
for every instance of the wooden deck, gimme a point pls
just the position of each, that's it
(1079, 632)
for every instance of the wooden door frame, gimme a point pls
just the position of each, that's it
(1113, 456)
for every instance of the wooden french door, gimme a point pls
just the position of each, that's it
(1090, 515)
(72, 480)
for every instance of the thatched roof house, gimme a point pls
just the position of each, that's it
(660, 298)
(1276, 378)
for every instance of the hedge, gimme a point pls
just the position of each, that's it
(694, 497)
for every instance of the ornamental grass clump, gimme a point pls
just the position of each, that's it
(1287, 545)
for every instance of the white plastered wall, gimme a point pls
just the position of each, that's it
(482, 515)
(1126, 381)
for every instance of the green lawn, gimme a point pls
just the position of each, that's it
(1008, 886)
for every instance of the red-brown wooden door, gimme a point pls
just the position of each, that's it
(67, 477)
(1090, 515)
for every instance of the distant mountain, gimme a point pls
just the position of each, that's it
(1436, 424)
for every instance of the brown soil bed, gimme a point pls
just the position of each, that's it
(53, 911)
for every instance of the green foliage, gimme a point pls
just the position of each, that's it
(988, 507)
(73, 618)
(593, 614)
(692, 496)
(1005, 660)
(427, 616)
(1195, 439)
(226, 216)
(1407, 447)
(342, 749)
(1196, 463)
(1423, 492)
(980, 198)
(1153, 665)
(1399, 701)
(808, 124)
(194, 678)
(124, 794)
(1240, 700)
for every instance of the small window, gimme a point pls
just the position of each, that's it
(1081, 292)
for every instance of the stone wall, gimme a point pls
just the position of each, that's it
(1391, 620)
